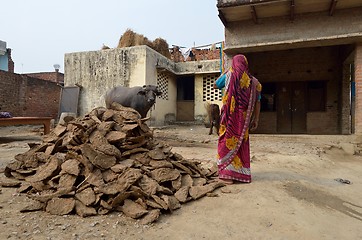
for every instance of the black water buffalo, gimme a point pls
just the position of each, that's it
(139, 98)
(214, 117)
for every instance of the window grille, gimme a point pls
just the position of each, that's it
(209, 93)
(162, 83)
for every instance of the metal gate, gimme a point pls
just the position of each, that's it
(69, 100)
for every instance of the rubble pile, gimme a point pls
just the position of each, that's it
(108, 161)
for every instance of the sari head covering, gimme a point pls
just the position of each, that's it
(241, 90)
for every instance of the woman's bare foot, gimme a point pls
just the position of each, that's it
(226, 181)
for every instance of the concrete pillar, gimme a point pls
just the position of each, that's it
(345, 101)
(358, 80)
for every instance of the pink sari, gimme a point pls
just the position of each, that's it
(241, 93)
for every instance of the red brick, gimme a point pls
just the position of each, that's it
(25, 96)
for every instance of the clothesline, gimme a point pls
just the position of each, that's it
(208, 45)
(202, 46)
(187, 51)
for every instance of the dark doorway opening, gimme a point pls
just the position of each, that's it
(268, 96)
(185, 98)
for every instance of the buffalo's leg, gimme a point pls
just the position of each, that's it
(217, 128)
(211, 127)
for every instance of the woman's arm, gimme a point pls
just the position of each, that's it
(255, 123)
(220, 82)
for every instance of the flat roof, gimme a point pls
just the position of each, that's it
(240, 10)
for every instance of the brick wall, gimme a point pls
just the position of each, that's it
(267, 123)
(49, 76)
(358, 79)
(195, 54)
(25, 96)
(346, 127)
(305, 64)
(204, 54)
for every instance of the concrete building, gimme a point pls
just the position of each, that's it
(186, 86)
(308, 56)
(6, 62)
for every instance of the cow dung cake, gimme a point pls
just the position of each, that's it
(108, 161)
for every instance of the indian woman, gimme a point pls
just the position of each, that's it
(239, 115)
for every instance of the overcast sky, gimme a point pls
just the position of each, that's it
(40, 32)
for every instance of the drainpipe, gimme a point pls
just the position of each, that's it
(56, 67)
(57, 75)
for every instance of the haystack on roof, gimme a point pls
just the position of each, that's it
(131, 38)
(161, 46)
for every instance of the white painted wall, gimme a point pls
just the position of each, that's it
(98, 71)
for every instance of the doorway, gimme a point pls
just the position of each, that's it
(291, 107)
(185, 106)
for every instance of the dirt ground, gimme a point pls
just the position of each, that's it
(294, 194)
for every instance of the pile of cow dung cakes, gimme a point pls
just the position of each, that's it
(108, 161)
